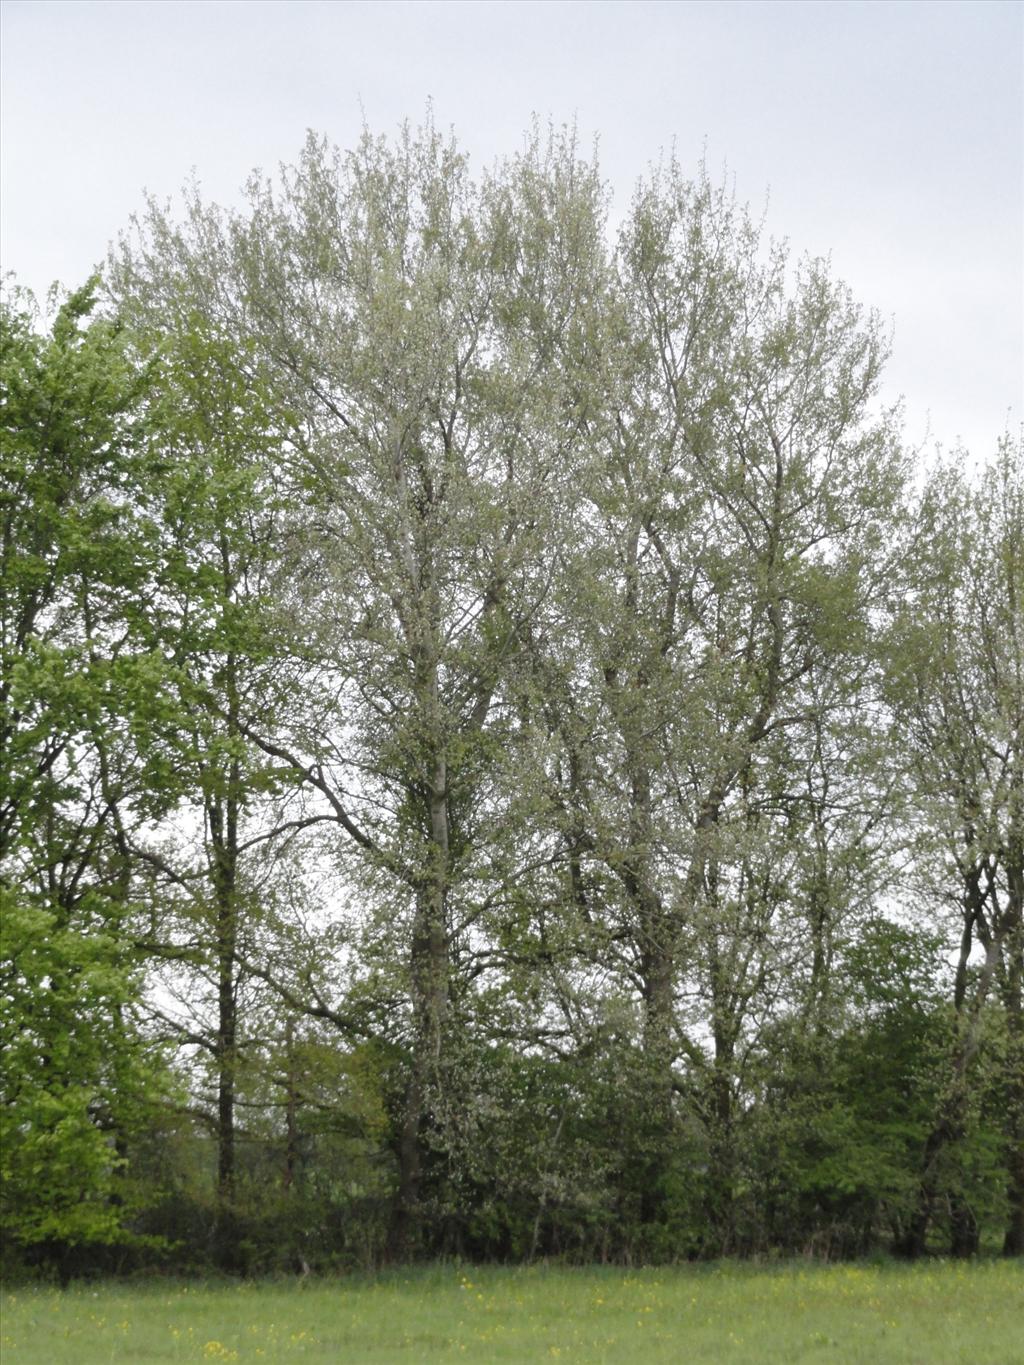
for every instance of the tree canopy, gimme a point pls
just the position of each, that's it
(503, 754)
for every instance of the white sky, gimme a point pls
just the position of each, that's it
(889, 134)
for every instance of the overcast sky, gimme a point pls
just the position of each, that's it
(890, 135)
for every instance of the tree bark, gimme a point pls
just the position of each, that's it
(223, 817)
(951, 1117)
(721, 1175)
(291, 1104)
(1013, 961)
(429, 986)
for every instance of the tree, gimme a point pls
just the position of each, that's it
(82, 1083)
(397, 313)
(80, 1076)
(958, 687)
(716, 621)
(220, 528)
(467, 691)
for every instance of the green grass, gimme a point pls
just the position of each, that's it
(730, 1315)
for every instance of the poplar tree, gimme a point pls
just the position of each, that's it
(957, 671)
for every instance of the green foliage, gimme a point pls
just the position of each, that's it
(72, 557)
(80, 1082)
(471, 680)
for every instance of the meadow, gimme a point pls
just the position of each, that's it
(927, 1314)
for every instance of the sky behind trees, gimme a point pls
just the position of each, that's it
(889, 135)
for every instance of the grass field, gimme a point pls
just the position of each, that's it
(734, 1315)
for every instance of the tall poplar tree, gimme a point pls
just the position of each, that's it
(741, 485)
(399, 309)
(958, 689)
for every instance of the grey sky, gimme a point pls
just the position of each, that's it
(891, 135)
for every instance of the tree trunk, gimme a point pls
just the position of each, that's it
(951, 1117)
(291, 1104)
(223, 813)
(429, 985)
(721, 1175)
(1013, 961)
(223, 819)
(226, 1045)
(659, 1054)
(964, 1233)
(946, 1132)
(657, 971)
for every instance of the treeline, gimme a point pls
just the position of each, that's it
(503, 756)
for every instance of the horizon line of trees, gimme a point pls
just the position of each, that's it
(502, 753)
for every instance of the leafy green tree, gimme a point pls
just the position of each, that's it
(715, 628)
(958, 687)
(465, 689)
(82, 1083)
(394, 306)
(79, 1074)
(839, 1121)
(73, 558)
(214, 618)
